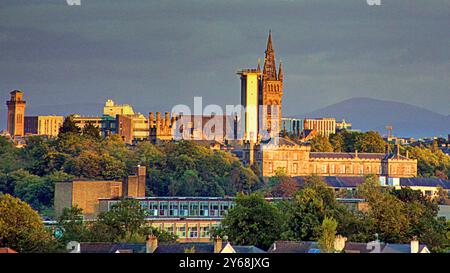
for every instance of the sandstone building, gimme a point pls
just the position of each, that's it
(86, 193)
(298, 160)
(43, 125)
(16, 114)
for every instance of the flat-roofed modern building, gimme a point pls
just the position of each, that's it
(43, 125)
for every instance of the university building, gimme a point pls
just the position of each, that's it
(43, 125)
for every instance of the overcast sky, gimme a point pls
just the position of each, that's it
(161, 53)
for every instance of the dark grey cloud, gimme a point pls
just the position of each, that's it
(155, 54)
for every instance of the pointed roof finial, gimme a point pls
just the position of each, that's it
(280, 71)
(259, 65)
(269, 42)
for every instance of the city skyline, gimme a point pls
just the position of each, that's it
(71, 54)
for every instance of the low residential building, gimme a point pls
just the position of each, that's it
(342, 246)
(153, 246)
(43, 125)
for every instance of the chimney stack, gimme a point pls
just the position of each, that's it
(217, 244)
(339, 243)
(151, 244)
(356, 153)
(414, 245)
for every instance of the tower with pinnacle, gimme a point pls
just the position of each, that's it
(271, 91)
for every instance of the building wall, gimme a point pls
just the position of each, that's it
(43, 125)
(132, 127)
(83, 121)
(249, 96)
(86, 194)
(324, 126)
(111, 109)
(297, 161)
(63, 196)
(292, 125)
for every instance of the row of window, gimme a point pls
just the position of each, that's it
(185, 208)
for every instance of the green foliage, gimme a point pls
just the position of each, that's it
(90, 130)
(71, 226)
(368, 142)
(327, 235)
(253, 221)
(69, 126)
(21, 227)
(281, 185)
(431, 162)
(320, 144)
(122, 222)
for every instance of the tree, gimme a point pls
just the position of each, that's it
(327, 235)
(370, 142)
(282, 185)
(320, 144)
(338, 142)
(69, 126)
(253, 221)
(21, 227)
(387, 212)
(125, 220)
(71, 227)
(91, 130)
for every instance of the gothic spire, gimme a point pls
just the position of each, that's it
(270, 70)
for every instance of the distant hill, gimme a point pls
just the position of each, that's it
(372, 114)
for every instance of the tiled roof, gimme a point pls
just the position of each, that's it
(6, 250)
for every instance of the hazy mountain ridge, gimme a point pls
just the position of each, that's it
(373, 114)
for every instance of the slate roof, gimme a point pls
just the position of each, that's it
(292, 247)
(347, 155)
(336, 181)
(425, 181)
(112, 247)
(162, 248)
(350, 247)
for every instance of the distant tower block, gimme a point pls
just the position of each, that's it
(250, 85)
(389, 131)
(16, 113)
